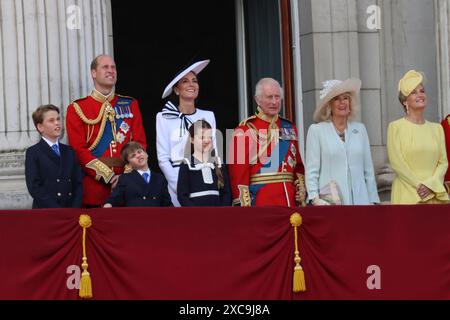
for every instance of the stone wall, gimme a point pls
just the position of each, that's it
(50, 46)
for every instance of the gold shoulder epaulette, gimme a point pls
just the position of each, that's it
(244, 122)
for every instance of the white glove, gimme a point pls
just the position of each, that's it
(319, 202)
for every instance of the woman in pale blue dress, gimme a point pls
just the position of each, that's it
(338, 148)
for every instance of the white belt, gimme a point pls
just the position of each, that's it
(204, 193)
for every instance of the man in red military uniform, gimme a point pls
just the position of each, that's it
(446, 124)
(264, 162)
(97, 128)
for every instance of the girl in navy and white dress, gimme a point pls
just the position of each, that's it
(203, 179)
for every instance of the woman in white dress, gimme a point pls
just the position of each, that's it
(173, 122)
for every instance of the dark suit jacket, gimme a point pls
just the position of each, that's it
(133, 191)
(52, 181)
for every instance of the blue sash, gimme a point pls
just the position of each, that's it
(283, 148)
(122, 107)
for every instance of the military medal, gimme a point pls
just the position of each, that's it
(130, 114)
(291, 162)
(124, 127)
(120, 137)
(293, 149)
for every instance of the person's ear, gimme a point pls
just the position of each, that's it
(40, 128)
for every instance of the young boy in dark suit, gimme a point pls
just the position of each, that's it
(52, 172)
(140, 187)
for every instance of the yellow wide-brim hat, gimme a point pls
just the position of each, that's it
(334, 88)
(409, 82)
(196, 68)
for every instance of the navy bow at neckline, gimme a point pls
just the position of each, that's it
(170, 111)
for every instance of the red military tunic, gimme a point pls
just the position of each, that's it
(259, 176)
(90, 126)
(446, 124)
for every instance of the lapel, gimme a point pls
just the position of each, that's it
(152, 187)
(47, 150)
(141, 184)
(62, 151)
(351, 133)
(138, 178)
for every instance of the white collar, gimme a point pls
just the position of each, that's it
(49, 142)
(141, 172)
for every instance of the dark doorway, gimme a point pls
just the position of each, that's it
(152, 45)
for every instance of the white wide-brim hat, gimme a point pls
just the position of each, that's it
(334, 88)
(196, 68)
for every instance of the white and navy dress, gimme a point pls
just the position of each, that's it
(171, 136)
(197, 185)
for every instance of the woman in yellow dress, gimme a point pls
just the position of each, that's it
(416, 148)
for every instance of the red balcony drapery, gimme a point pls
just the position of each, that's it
(228, 253)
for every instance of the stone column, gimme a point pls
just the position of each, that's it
(442, 13)
(329, 46)
(50, 44)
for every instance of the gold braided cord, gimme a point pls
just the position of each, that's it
(263, 140)
(85, 290)
(299, 284)
(85, 119)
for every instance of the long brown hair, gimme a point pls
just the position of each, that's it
(204, 125)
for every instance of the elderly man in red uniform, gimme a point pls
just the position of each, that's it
(264, 162)
(446, 124)
(97, 128)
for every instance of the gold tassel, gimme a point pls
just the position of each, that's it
(299, 275)
(85, 283)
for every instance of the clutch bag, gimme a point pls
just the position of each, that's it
(331, 193)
